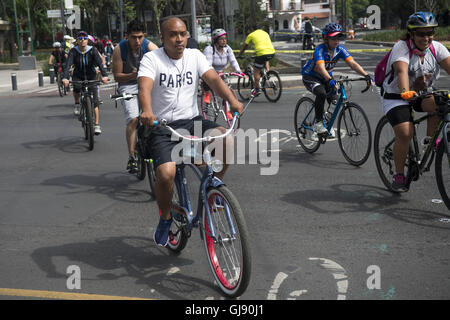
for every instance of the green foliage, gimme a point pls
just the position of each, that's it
(442, 34)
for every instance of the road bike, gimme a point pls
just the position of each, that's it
(417, 162)
(219, 216)
(145, 165)
(353, 128)
(87, 116)
(270, 83)
(59, 73)
(210, 106)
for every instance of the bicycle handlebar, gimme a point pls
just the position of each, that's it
(123, 96)
(342, 80)
(163, 123)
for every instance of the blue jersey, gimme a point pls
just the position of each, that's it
(322, 55)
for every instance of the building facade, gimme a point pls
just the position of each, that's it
(289, 14)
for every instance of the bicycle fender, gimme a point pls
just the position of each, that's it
(216, 182)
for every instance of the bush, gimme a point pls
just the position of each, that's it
(442, 34)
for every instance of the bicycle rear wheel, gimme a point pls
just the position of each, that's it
(89, 124)
(209, 108)
(304, 118)
(442, 168)
(245, 86)
(354, 134)
(228, 254)
(272, 86)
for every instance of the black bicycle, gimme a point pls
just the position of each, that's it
(87, 116)
(142, 155)
(270, 83)
(416, 162)
(58, 67)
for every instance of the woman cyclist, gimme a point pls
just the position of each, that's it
(413, 66)
(85, 58)
(219, 54)
(317, 72)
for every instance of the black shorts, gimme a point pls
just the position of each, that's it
(160, 142)
(92, 89)
(402, 113)
(260, 60)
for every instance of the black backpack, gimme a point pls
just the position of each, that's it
(308, 27)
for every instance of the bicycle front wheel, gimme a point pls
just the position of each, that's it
(383, 148)
(141, 165)
(229, 252)
(60, 85)
(272, 86)
(89, 124)
(354, 134)
(304, 118)
(245, 86)
(442, 167)
(151, 175)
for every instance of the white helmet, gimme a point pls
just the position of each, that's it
(67, 37)
(56, 44)
(217, 34)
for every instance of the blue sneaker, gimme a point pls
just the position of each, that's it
(161, 235)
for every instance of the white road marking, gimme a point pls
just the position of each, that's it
(338, 272)
(281, 276)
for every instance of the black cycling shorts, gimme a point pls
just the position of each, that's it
(260, 60)
(92, 89)
(160, 140)
(402, 113)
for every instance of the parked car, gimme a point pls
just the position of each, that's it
(287, 35)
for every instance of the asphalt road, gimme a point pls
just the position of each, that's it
(320, 228)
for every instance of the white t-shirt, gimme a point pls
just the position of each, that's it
(220, 60)
(174, 93)
(421, 75)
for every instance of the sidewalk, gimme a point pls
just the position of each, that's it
(27, 80)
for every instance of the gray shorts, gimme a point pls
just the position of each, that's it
(130, 107)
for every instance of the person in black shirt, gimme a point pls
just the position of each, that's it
(58, 57)
(84, 58)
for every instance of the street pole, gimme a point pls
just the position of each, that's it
(194, 20)
(29, 26)
(19, 45)
(121, 19)
(415, 5)
(63, 24)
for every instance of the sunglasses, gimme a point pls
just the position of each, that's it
(338, 37)
(222, 38)
(83, 38)
(423, 34)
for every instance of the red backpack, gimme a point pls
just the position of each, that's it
(380, 71)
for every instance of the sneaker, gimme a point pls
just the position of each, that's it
(399, 183)
(332, 133)
(256, 92)
(76, 109)
(132, 166)
(319, 128)
(97, 129)
(161, 235)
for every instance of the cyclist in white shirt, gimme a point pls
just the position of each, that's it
(219, 54)
(413, 66)
(168, 81)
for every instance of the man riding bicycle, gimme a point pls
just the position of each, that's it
(84, 58)
(168, 81)
(413, 65)
(126, 60)
(264, 52)
(58, 57)
(219, 54)
(308, 35)
(317, 72)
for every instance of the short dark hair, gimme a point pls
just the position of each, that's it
(135, 26)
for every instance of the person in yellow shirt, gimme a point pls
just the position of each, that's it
(264, 52)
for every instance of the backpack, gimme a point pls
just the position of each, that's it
(123, 48)
(308, 27)
(380, 73)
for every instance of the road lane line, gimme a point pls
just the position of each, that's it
(61, 295)
(338, 274)
(281, 276)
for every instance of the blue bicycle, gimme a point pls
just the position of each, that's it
(353, 128)
(219, 217)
